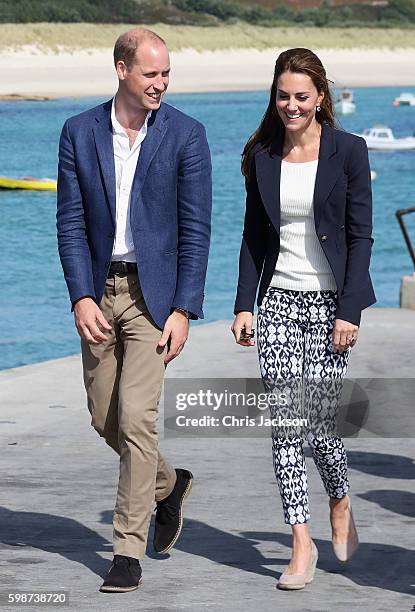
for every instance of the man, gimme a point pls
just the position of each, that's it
(133, 221)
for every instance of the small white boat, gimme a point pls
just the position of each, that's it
(381, 138)
(373, 175)
(344, 104)
(405, 99)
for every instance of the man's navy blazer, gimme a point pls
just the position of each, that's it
(342, 216)
(171, 202)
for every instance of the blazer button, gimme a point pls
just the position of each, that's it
(323, 237)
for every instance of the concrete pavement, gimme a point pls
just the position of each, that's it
(59, 481)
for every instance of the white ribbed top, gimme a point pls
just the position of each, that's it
(302, 264)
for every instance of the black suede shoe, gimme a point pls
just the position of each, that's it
(123, 575)
(169, 514)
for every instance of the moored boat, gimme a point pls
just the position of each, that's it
(28, 182)
(381, 138)
(345, 104)
(405, 99)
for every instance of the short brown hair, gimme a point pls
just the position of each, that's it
(127, 44)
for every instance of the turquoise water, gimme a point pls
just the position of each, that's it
(36, 322)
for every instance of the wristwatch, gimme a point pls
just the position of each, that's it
(184, 311)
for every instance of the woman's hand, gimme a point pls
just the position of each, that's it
(243, 325)
(344, 335)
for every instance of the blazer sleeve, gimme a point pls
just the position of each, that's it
(253, 246)
(73, 245)
(358, 227)
(194, 207)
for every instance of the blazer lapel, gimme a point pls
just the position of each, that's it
(268, 168)
(328, 169)
(103, 141)
(156, 130)
(268, 172)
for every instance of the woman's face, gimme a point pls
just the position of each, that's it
(296, 101)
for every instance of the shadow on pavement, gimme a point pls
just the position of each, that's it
(75, 542)
(400, 502)
(54, 534)
(222, 547)
(382, 464)
(377, 565)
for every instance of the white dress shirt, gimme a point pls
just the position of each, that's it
(302, 264)
(125, 160)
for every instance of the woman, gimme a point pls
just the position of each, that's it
(307, 244)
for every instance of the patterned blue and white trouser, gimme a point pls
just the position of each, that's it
(297, 362)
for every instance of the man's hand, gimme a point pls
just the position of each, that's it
(175, 334)
(87, 314)
(243, 325)
(344, 335)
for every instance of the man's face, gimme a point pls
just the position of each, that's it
(147, 79)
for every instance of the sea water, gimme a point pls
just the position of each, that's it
(35, 319)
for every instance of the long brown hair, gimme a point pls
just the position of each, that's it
(271, 128)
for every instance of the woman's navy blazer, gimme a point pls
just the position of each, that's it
(342, 217)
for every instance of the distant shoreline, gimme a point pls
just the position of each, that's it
(28, 72)
(74, 60)
(69, 37)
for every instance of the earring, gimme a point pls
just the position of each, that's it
(318, 108)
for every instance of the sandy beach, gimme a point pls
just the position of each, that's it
(30, 71)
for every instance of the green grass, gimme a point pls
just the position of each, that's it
(48, 36)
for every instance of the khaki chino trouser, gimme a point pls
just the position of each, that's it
(123, 378)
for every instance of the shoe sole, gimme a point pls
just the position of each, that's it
(309, 579)
(115, 589)
(291, 587)
(294, 587)
(174, 540)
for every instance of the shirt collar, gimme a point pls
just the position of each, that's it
(117, 128)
